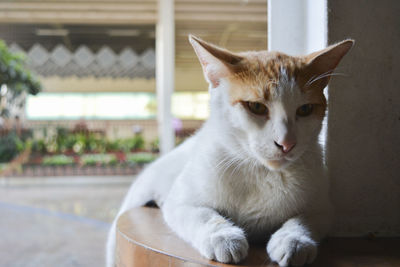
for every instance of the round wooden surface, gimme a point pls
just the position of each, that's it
(144, 240)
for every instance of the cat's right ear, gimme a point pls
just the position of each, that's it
(216, 62)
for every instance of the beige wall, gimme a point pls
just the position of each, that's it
(96, 84)
(364, 118)
(185, 80)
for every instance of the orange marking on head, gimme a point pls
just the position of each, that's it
(254, 75)
(259, 73)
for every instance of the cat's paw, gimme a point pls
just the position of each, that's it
(291, 248)
(228, 244)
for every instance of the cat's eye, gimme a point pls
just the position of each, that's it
(305, 110)
(257, 108)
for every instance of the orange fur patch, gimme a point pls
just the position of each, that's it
(254, 76)
(259, 72)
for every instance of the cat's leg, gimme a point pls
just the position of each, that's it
(295, 243)
(139, 194)
(147, 187)
(211, 234)
(110, 246)
(152, 184)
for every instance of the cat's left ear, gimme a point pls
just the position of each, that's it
(216, 62)
(321, 64)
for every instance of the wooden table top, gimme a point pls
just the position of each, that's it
(143, 239)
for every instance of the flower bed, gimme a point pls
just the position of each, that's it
(58, 160)
(98, 159)
(80, 143)
(68, 152)
(93, 159)
(117, 163)
(140, 158)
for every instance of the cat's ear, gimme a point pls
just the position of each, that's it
(216, 62)
(321, 65)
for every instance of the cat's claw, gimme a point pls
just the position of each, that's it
(290, 248)
(228, 244)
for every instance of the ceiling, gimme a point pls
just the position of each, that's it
(128, 11)
(235, 24)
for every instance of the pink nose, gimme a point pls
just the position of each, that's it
(285, 145)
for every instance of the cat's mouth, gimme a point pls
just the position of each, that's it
(276, 161)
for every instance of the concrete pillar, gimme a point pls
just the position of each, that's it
(363, 145)
(165, 72)
(296, 27)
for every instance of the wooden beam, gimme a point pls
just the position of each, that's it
(74, 17)
(65, 6)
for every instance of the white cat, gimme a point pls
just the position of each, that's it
(255, 167)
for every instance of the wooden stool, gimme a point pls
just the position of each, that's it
(143, 240)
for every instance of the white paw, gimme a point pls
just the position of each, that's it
(227, 244)
(291, 248)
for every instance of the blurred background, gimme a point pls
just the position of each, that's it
(79, 108)
(93, 90)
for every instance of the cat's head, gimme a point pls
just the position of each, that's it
(272, 103)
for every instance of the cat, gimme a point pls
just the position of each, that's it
(255, 168)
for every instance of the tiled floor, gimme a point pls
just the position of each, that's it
(57, 221)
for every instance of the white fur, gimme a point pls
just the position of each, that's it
(219, 188)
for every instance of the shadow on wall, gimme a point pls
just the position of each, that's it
(364, 119)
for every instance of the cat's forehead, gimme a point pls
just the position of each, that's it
(271, 66)
(271, 62)
(263, 74)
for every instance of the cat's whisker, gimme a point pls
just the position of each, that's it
(323, 75)
(230, 162)
(316, 77)
(238, 166)
(310, 80)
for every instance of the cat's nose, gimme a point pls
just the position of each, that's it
(285, 145)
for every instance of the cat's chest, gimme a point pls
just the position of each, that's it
(260, 202)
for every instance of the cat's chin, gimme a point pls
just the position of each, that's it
(277, 164)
